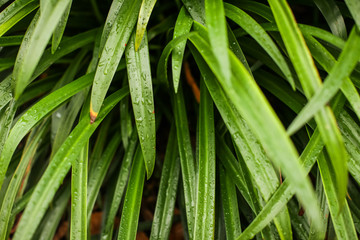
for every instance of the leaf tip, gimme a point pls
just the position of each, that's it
(93, 115)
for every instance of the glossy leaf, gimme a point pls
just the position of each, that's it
(165, 203)
(182, 26)
(59, 166)
(35, 114)
(205, 199)
(120, 186)
(112, 52)
(131, 210)
(144, 16)
(259, 34)
(140, 84)
(310, 81)
(34, 44)
(338, 74)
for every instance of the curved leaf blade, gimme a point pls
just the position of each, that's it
(131, 210)
(112, 52)
(58, 168)
(144, 16)
(140, 84)
(35, 114)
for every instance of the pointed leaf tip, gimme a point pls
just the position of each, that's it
(93, 115)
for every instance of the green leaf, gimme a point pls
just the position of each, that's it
(337, 75)
(11, 40)
(58, 168)
(121, 182)
(186, 156)
(182, 26)
(59, 30)
(216, 24)
(253, 154)
(354, 8)
(310, 81)
(144, 16)
(34, 44)
(112, 52)
(79, 179)
(263, 122)
(196, 10)
(50, 222)
(333, 17)
(341, 216)
(258, 33)
(230, 205)
(28, 154)
(98, 172)
(321, 233)
(35, 114)
(205, 198)
(15, 12)
(166, 198)
(140, 84)
(132, 202)
(5, 92)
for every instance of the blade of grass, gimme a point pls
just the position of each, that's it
(112, 52)
(59, 30)
(338, 74)
(258, 33)
(182, 26)
(205, 200)
(50, 222)
(320, 234)
(341, 216)
(79, 178)
(216, 24)
(5, 92)
(333, 17)
(28, 154)
(260, 120)
(196, 10)
(229, 205)
(58, 168)
(35, 114)
(110, 20)
(143, 19)
(14, 13)
(130, 214)
(97, 175)
(121, 182)
(34, 44)
(354, 8)
(166, 198)
(284, 192)
(141, 92)
(310, 81)
(11, 40)
(186, 156)
(327, 61)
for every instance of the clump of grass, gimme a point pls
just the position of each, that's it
(250, 131)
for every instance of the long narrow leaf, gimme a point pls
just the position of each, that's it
(205, 199)
(182, 26)
(58, 168)
(144, 16)
(165, 203)
(341, 70)
(131, 210)
(34, 43)
(310, 81)
(140, 84)
(112, 53)
(35, 114)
